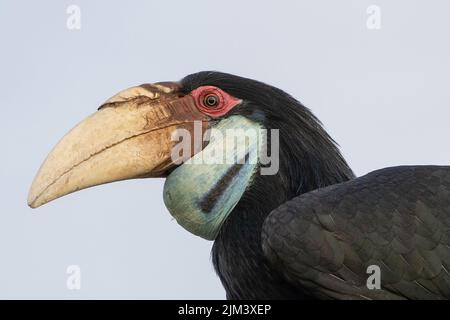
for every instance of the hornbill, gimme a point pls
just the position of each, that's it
(310, 230)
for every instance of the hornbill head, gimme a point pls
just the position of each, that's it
(186, 131)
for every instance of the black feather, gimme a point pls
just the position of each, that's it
(396, 218)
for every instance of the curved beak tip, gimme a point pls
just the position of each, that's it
(37, 196)
(32, 198)
(33, 201)
(31, 204)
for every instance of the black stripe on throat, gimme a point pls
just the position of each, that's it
(209, 200)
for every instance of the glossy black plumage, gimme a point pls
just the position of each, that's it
(396, 218)
(309, 160)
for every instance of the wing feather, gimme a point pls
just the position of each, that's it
(396, 218)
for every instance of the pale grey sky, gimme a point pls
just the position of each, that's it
(382, 94)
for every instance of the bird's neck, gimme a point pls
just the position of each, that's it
(237, 251)
(239, 261)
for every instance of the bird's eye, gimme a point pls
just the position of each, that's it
(211, 100)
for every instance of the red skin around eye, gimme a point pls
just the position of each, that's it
(226, 101)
